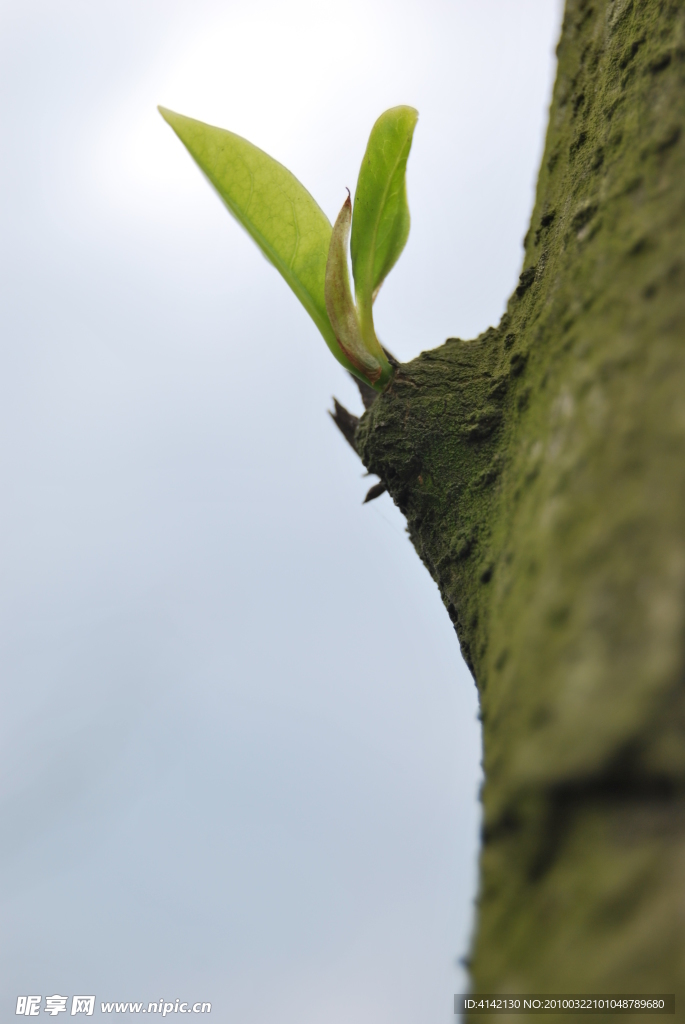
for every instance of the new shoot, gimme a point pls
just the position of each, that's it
(295, 235)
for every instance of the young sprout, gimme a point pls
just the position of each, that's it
(295, 235)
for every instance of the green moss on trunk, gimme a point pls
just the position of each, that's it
(541, 469)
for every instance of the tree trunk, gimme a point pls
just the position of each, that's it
(541, 469)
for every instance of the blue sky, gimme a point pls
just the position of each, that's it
(240, 753)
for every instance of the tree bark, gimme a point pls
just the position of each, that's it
(541, 469)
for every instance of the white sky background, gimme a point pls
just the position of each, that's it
(238, 746)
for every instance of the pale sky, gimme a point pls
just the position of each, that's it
(240, 752)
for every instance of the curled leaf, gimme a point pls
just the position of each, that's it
(340, 305)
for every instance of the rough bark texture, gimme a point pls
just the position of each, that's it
(541, 468)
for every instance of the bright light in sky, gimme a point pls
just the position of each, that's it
(239, 748)
(272, 72)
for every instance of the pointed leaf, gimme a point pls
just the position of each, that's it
(380, 225)
(277, 211)
(340, 304)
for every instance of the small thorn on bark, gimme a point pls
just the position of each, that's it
(367, 393)
(390, 357)
(345, 421)
(375, 492)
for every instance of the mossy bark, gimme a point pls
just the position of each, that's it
(541, 469)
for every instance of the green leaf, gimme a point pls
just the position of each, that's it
(280, 215)
(340, 304)
(380, 223)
